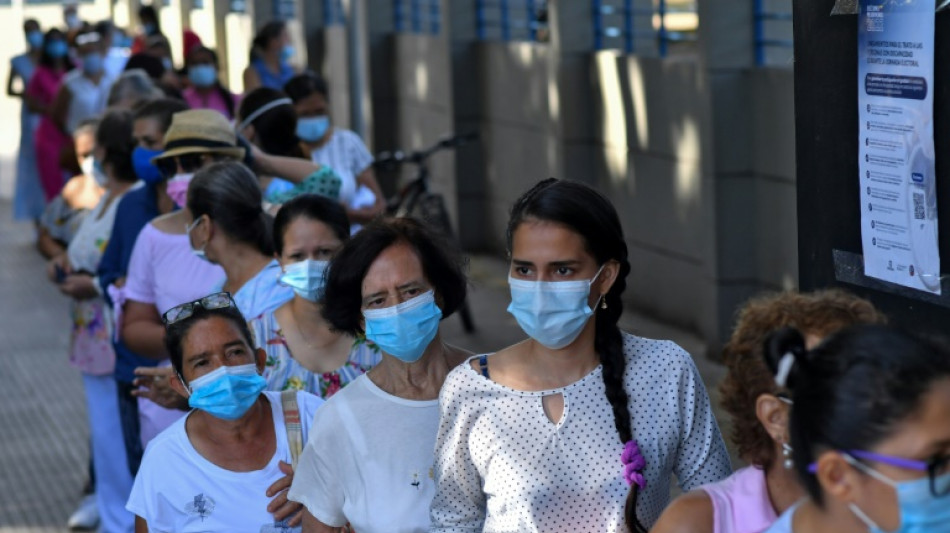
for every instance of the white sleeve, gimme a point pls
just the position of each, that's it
(318, 482)
(146, 493)
(701, 457)
(459, 503)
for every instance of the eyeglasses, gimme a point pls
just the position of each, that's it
(937, 468)
(218, 300)
(189, 163)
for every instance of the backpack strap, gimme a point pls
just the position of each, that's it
(288, 401)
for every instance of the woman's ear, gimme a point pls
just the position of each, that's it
(260, 359)
(773, 415)
(837, 478)
(178, 385)
(608, 276)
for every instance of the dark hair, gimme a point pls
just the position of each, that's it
(853, 390)
(588, 213)
(104, 28)
(223, 91)
(30, 24)
(114, 135)
(148, 13)
(442, 266)
(228, 192)
(819, 313)
(48, 61)
(276, 128)
(267, 33)
(304, 84)
(313, 207)
(161, 110)
(150, 64)
(175, 333)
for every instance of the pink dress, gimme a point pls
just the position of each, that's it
(741, 502)
(49, 139)
(211, 100)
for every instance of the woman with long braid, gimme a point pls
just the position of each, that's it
(552, 433)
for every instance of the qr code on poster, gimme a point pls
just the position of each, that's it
(919, 211)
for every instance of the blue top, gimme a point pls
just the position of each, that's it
(271, 80)
(260, 294)
(784, 522)
(135, 210)
(24, 67)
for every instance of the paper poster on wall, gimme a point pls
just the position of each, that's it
(898, 178)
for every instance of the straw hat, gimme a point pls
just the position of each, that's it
(200, 131)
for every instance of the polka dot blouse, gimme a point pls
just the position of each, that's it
(503, 466)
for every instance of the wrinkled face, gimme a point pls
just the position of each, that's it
(394, 277)
(214, 342)
(314, 105)
(306, 238)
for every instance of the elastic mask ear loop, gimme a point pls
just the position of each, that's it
(263, 109)
(591, 284)
(868, 470)
(183, 384)
(862, 516)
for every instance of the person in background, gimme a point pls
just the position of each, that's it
(369, 458)
(131, 89)
(266, 121)
(303, 352)
(552, 433)
(270, 56)
(83, 93)
(135, 210)
(206, 90)
(232, 454)
(71, 19)
(115, 56)
(156, 72)
(91, 349)
(229, 227)
(28, 200)
(338, 148)
(150, 26)
(752, 498)
(50, 140)
(62, 216)
(870, 430)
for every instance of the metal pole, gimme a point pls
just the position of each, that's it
(661, 35)
(505, 28)
(758, 32)
(598, 17)
(628, 40)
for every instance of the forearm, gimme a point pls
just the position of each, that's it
(145, 338)
(291, 169)
(48, 246)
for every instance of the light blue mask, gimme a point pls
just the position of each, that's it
(199, 252)
(57, 49)
(551, 312)
(312, 129)
(287, 52)
(306, 278)
(921, 511)
(34, 38)
(405, 330)
(202, 75)
(227, 392)
(92, 63)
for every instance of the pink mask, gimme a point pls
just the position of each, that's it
(177, 189)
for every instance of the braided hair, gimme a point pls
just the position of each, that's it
(588, 213)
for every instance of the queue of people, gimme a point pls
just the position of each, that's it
(261, 349)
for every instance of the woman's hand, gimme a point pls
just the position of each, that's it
(57, 268)
(79, 286)
(154, 385)
(281, 507)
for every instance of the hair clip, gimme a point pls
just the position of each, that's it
(784, 369)
(633, 464)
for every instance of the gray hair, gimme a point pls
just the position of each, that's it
(134, 85)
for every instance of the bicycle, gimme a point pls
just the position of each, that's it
(417, 200)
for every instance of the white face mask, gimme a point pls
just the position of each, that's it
(91, 169)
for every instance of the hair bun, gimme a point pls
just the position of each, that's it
(784, 352)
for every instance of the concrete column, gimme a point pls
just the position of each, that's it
(172, 19)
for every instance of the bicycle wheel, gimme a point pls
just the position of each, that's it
(430, 209)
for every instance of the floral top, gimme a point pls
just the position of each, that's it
(283, 372)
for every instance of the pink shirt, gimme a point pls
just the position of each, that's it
(741, 502)
(211, 100)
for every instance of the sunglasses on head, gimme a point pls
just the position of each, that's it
(189, 163)
(218, 300)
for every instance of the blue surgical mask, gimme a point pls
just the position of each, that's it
(149, 28)
(34, 38)
(312, 129)
(306, 278)
(287, 52)
(92, 63)
(57, 49)
(199, 252)
(551, 312)
(920, 510)
(405, 330)
(144, 169)
(227, 392)
(202, 75)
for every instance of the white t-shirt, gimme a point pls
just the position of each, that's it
(369, 461)
(347, 155)
(178, 490)
(502, 465)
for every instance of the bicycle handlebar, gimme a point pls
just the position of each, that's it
(391, 160)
